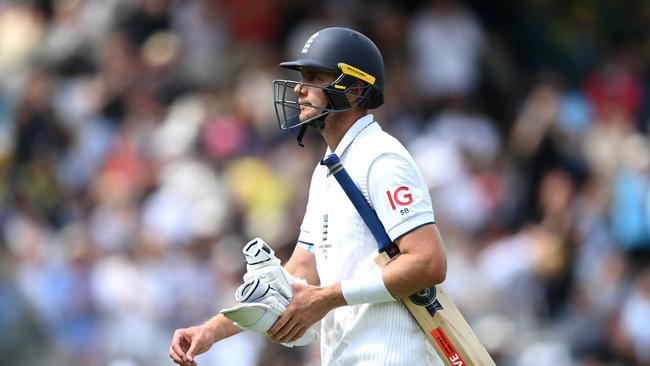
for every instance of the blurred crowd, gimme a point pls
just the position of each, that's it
(139, 152)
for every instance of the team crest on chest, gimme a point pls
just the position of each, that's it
(325, 227)
(324, 246)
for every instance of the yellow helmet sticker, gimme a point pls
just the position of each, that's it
(353, 71)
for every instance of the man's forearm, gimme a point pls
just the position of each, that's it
(407, 274)
(421, 264)
(332, 297)
(302, 264)
(220, 327)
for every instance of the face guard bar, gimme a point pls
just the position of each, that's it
(287, 104)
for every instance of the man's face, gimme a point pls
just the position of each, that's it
(311, 95)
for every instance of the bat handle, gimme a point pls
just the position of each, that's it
(392, 250)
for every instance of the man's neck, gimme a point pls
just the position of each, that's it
(336, 126)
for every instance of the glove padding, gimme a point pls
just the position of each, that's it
(261, 262)
(265, 294)
(261, 307)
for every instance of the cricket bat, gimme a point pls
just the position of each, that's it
(437, 315)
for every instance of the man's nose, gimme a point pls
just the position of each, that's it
(298, 88)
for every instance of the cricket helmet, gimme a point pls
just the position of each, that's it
(342, 51)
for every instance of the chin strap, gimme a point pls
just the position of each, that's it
(301, 134)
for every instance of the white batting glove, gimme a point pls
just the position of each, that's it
(261, 307)
(261, 262)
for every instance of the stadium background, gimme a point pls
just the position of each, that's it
(139, 151)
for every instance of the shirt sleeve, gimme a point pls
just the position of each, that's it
(399, 195)
(306, 239)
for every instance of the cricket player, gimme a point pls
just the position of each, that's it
(362, 321)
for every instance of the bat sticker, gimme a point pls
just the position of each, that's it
(427, 298)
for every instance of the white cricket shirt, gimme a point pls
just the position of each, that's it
(380, 334)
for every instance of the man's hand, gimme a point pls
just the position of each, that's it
(309, 305)
(190, 342)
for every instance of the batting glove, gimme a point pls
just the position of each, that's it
(261, 262)
(261, 307)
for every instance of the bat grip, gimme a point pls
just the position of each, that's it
(367, 213)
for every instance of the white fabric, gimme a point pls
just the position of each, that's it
(258, 255)
(366, 289)
(277, 277)
(255, 317)
(261, 306)
(266, 292)
(257, 290)
(409, 204)
(261, 262)
(378, 334)
(306, 246)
